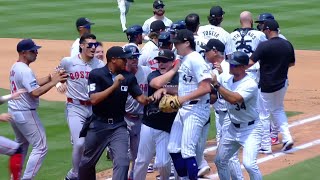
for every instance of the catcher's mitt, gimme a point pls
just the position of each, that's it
(169, 104)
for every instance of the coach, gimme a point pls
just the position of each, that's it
(276, 56)
(109, 87)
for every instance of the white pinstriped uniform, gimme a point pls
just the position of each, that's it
(250, 42)
(215, 32)
(246, 135)
(26, 123)
(190, 119)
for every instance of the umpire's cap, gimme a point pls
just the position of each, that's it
(239, 58)
(264, 16)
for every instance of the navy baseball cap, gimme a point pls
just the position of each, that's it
(83, 21)
(271, 24)
(27, 45)
(239, 58)
(133, 50)
(216, 11)
(158, 3)
(157, 26)
(183, 35)
(117, 52)
(165, 55)
(214, 44)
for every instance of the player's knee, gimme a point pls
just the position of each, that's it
(78, 144)
(121, 161)
(250, 165)
(219, 161)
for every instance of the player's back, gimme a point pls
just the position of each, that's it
(215, 32)
(149, 51)
(21, 76)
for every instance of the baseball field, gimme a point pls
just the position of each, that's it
(52, 24)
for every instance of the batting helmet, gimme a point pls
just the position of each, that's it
(164, 39)
(133, 31)
(177, 26)
(133, 50)
(264, 16)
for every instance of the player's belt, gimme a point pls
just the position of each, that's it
(239, 125)
(219, 111)
(77, 101)
(196, 101)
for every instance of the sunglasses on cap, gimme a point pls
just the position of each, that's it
(90, 45)
(234, 66)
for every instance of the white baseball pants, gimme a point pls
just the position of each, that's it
(7, 146)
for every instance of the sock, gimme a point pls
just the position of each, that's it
(179, 164)
(15, 166)
(192, 168)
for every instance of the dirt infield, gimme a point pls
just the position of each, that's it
(303, 95)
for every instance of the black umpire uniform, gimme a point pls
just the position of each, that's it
(107, 126)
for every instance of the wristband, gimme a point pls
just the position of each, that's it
(58, 84)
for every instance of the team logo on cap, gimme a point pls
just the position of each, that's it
(88, 20)
(161, 53)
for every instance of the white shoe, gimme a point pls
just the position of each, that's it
(287, 145)
(204, 171)
(265, 151)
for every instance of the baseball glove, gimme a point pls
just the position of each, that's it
(169, 104)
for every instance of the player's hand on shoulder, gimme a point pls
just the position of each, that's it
(118, 79)
(5, 117)
(16, 95)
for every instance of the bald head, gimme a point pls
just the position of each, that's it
(246, 19)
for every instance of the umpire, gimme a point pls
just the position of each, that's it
(108, 90)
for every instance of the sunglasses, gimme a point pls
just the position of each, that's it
(88, 26)
(159, 7)
(90, 45)
(32, 51)
(133, 57)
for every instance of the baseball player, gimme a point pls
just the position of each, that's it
(99, 53)
(241, 93)
(192, 23)
(124, 6)
(164, 40)
(25, 120)
(83, 26)
(154, 137)
(7, 146)
(278, 54)
(274, 128)
(134, 110)
(214, 52)
(214, 31)
(134, 35)
(151, 49)
(78, 106)
(193, 95)
(158, 11)
(246, 39)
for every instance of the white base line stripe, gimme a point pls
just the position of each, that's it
(278, 154)
(295, 123)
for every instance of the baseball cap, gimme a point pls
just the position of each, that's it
(132, 49)
(216, 11)
(165, 55)
(239, 58)
(214, 44)
(157, 25)
(27, 45)
(271, 24)
(117, 52)
(158, 3)
(83, 21)
(183, 35)
(264, 16)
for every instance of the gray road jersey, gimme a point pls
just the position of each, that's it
(78, 71)
(21, 76)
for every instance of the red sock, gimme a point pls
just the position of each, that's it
(15, 166)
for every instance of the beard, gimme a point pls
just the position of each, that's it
(159, 12)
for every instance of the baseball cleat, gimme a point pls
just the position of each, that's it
(275, 141)
(265, 151)
(287, 145)
(204, 171)
(170, 178)
(150, 168)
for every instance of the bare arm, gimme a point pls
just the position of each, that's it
(160, 81)
(57, 77)
(142, 99)
(203, 88)
(44, 80)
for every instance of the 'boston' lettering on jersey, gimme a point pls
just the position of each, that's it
(78, 75)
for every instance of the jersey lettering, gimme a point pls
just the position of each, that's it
(187, 79)
(13, 87)
(241, 106)
(144, 87)
(78, 75)
(92, 87)
(211, 33)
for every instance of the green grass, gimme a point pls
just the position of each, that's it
(306, 170)
(58, 160)
(56, 19)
